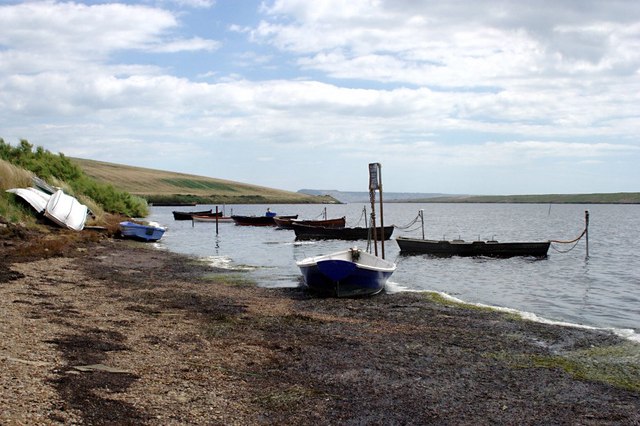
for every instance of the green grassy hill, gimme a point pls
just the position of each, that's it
(158, 186)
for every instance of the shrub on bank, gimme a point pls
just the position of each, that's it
(12, 177)
(52, 167)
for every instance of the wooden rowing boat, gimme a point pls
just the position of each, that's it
(285, 223)
(257, 220)
(306, 232)
(346, 273)
(472, 248)
(141, 232)
(213, 219)
(180, 215)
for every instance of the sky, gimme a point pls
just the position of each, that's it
(492, 97)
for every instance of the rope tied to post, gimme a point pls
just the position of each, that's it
(410, 224)
(570, 241)
(575, 240)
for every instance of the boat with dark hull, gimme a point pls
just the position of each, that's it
(306, 232)
(180, 215)
(258, 220)
(489, 248)
(285, 223)
(347, 273)
(212, 219)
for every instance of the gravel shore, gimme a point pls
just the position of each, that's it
(106, 331)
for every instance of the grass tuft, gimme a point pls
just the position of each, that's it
(617, 365)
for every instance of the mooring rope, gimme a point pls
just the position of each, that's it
(410, 224)
(565, 251)
(363, 215)
(570, 241)
(408, 230)
(574, 242)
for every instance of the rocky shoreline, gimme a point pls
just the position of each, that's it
(105, 331)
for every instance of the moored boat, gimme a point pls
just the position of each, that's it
(219, 219)
(347, 273)
(180, 215)
(472, 248)
(138, 231)
(257, 220)
(306, 232)
(285, 223)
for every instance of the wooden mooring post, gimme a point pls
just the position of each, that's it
(375, 184)
(216, 220)
(586, 229)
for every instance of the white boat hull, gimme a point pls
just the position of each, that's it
(36, 198)
(66, 211)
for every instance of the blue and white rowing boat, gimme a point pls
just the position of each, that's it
(137, 231)
(346, 273)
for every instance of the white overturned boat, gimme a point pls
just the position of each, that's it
(62, 209)
(33, 196)
(66, 211)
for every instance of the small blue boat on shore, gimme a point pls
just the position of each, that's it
(347, 273)
(137, 231)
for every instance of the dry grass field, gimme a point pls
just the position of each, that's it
(165, 186)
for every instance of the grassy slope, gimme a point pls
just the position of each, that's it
(163, 185)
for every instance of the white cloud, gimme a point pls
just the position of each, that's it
(45, 35)
(72, 28)
(199, 4)
(453, 44)
(192, 44)
(452, 85)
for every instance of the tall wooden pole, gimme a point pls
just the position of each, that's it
(216, 220)
(375, 183)
(381, 211)
(372, 199)
(586, 229)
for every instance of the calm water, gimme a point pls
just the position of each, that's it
(602, 290)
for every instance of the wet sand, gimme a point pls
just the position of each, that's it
(105, 331)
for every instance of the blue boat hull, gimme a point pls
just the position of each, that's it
(141, 232)
(344, 278)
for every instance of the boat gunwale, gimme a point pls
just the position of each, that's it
(488, 242)
(314, 260)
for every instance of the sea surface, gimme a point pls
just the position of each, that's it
(601, 289)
